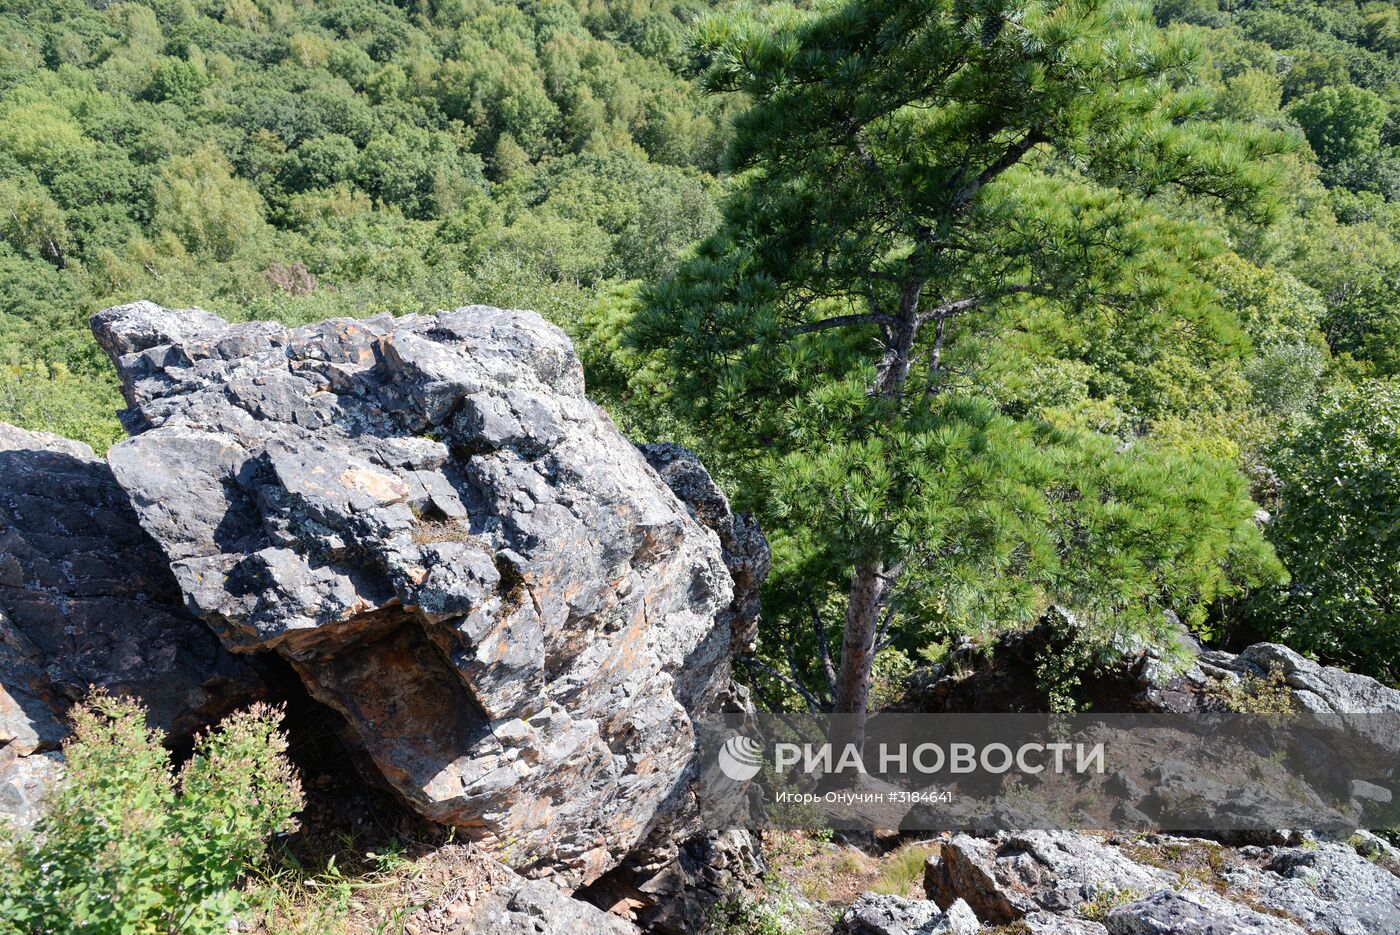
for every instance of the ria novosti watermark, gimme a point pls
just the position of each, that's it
(1019, 772)
(931, 759)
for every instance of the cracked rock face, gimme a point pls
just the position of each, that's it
(452, 547)
(746, 552)
(86, 599)
(1168, 885)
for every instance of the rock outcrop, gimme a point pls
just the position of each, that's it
(877, 914)
(534, 907)
(746, 552)
(1141, 678)
(454, 549)
(1192, 913)
(1316, 688)
(667, 889)
(1147, 884)
(1009, 876)
(86, 600)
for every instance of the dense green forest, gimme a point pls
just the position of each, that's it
(299, 161)
(1181, 302)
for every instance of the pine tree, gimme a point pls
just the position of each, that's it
(917, 176)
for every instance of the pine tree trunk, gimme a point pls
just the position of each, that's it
(858, 647)
(869, 581)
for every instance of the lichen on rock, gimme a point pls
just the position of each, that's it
(454, 549)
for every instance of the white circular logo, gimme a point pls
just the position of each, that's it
(740, 758)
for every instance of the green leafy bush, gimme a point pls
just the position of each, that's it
(1338, 531)
(130, 846)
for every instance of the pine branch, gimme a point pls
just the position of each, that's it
(1013, 154)
(841, 321)
(948, 309)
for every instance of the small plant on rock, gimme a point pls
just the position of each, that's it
(741, 914)
(1104, 902)
(130, 846)
(1254, 694)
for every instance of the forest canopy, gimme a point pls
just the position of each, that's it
(1200, 329)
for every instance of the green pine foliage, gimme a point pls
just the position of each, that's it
(1191, 293)
(128, 846)
(931, 208)
(981, 305)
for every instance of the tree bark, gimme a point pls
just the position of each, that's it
(867, 596)
(894, 369)
(869, 582)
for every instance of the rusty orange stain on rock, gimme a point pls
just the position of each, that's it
(381, 487)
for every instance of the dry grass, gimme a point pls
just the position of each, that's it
(818, 869)
(1194, 861)
(428, 895)
(430, 531)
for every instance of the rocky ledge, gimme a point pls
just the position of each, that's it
(453, 548)
(86, 600)
(1181, 678)
(1063, 882)
(1067, 883)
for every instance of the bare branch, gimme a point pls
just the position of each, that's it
(812, 700)
(880, 641)
(949, 309)
(841, 321)
(824, 648)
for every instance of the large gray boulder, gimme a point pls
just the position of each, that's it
(86, 600)
(454, 549)
(879, 914)
(1010, 875)
(1193, 913)
(746, 552)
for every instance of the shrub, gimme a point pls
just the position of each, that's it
(127, 845)
(1253, 694)
(741, 914)
(1338, 532)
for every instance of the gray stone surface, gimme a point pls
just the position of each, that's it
(87, 600)
(1005, 877)
(693, 876)
(1048, 923)
(452, 546)
(1193, 913)
(1048, 880)
(876, 914)
(534, 907)
(24, 781)
(746, 552)
(1322, 689)
(1328, 886)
